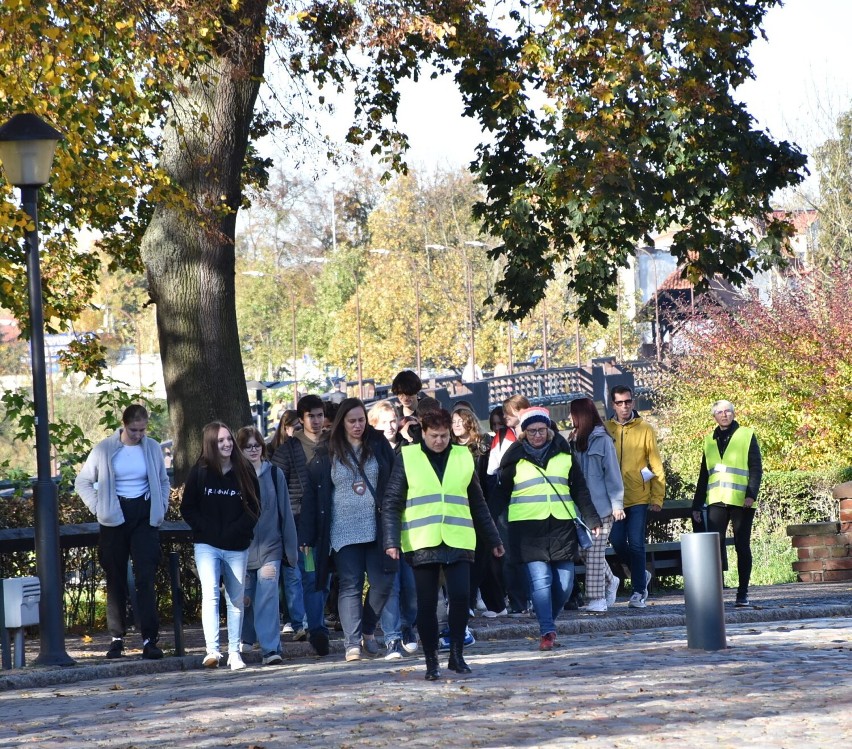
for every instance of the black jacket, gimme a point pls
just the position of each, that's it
(396, 495)
(755, 466)
(315, 524)
(551, 539)
(289, 456)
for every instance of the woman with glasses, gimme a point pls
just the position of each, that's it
(595, 451)
(545, 491)
(274, 541)
(221, 503)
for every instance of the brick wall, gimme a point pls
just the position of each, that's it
(825, 549)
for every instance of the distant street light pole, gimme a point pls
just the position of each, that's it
(27, 146)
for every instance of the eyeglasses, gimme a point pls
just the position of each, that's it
(252, 447)
(536, 432)
(626, 402)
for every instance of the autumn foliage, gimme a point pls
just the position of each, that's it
(787, 367)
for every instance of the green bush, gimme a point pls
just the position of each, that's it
(788, 497)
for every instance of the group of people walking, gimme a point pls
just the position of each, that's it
(414, 503)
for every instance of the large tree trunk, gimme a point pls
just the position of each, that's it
(189, 252)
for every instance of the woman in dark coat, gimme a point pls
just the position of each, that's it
(544, 487)
(434, 512)
(341, 521)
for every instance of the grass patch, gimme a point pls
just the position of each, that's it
(773, 560)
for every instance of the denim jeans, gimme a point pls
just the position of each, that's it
(260, 616)
(352, 563)
(628, 539)
(314, 600)
(294, 597)
(401, 607)
(213, 563)
(550, 586)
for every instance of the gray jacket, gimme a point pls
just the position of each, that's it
(275, 532)
(602, 472)
(96, 482)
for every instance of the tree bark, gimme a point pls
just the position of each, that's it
(188, 250)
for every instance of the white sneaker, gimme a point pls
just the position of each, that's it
(353, 653)
(637, 601)
(480, 604)
(494, 614)
(287, 629)
(211, 660)
(235, 661)
(597, 605)
(648, 578)
(612, 590)
(246, 648)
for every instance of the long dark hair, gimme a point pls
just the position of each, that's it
(585, 416)
(288, 419)
(338, 446)
(243, 469)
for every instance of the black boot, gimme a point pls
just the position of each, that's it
(456, 662)
(432, 671)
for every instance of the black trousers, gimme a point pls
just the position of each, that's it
(135, 539)
(741, 520)
(427, 582)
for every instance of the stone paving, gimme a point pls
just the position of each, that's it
(624, 679)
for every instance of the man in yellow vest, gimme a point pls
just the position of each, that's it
(729, 480)
(433, 511)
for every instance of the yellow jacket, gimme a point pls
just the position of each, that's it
(636, 448)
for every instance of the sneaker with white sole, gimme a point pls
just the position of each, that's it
(211, 660)
(597, 605)
(272, 659)
(637, 601)
(300, 635)
(394, 651)
(246, 648)
(409, 640)
(494, 614)
(612, 590)
(353, 653)
(648, 578)
(236, 662)
(287, 629)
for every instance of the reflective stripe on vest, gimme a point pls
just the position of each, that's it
(437, 512)
(533, 497)
(728, 477)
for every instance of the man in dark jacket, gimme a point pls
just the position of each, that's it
(544, 487)
(433, 511)
(729, 480)
(303, 593)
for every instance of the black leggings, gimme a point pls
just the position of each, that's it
(741, 519)
(426, 580)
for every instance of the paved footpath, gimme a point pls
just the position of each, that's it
(781, 683)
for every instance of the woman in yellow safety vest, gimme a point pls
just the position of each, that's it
(729, 480)
(544, 487)
(434, 511)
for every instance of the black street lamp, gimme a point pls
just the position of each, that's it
(27, 145)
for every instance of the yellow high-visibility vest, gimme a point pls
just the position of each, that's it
(533, 497)
(437, 512)
(728, 477)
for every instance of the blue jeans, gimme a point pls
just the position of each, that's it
(213, 563)
(401, 607)
(628, 539)
(314, 600)
(353, 563)
(550, 587)
(260, 616)
(294, 596)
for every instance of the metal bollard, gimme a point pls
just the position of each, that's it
(702, 587)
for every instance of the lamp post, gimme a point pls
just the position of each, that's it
(657, 342)
(27, 145)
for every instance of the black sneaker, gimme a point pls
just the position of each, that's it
(150, 651)
(742, 602)
(394, 651)
(116, 649)
(319, 642)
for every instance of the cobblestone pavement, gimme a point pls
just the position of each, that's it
(622, 679)
(780, 685)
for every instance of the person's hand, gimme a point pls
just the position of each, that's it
(393, 553)
(596, 531)
(749, 501)
(499, 551)
(655, 508)
(618, 515)
(697, 516)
